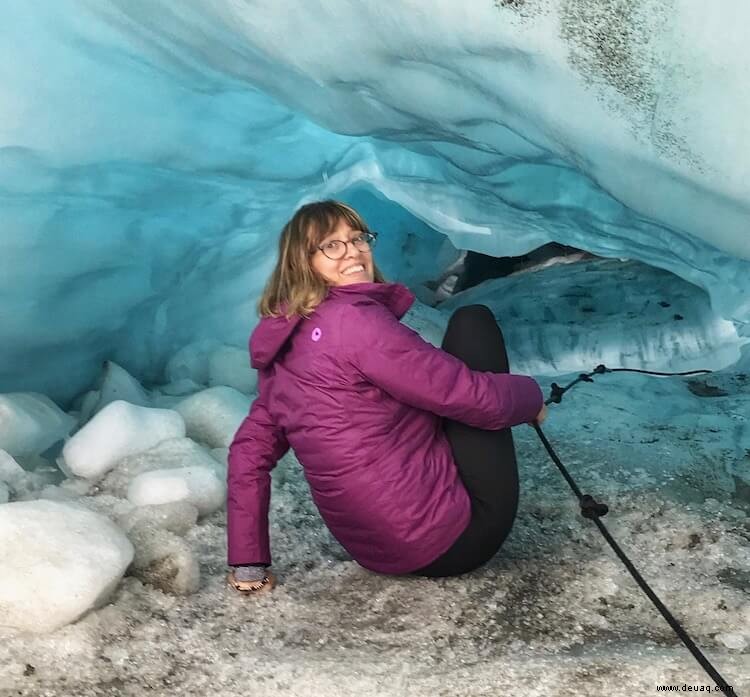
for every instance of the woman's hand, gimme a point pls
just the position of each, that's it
(541, 416)
(251, 580)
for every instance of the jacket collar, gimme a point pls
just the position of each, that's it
(272, 333)
(395, 296)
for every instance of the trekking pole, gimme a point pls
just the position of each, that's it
(594, 510)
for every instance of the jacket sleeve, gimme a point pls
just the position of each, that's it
(254, 452)
(392, 356)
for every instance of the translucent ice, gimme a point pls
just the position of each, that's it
(30, 423)
(22, 484)
(114, 383)
(10, 471)
(230, 366)
(192, 362)
(180, 387)
(499, 126)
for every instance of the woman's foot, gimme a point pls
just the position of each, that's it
(248, 581)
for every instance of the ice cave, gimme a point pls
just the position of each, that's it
(580, 167)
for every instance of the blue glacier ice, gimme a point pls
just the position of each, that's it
(149, 156)
(150, 153)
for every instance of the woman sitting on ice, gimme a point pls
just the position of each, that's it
(406, 447)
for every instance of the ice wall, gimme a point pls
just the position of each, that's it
(150, 152)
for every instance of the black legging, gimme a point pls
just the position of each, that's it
(486, 460)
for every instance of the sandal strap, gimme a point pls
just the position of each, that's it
(249, 586)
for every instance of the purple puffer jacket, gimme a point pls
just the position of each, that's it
(359, 397)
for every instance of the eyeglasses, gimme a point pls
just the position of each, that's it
(336, 249)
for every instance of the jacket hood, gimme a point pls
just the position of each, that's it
(269, 337)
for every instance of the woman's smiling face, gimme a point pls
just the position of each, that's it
(354, 266)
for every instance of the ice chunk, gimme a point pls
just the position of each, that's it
(221, 456)
(164, 560)
(177, 517)
(230, 366)
(117, 383)
(10, 470)
(180, 387)
(214, 415)
(120, 429)
(114, 383)
(69, 561)
(112, 507)
(4, 493)
(191, 362)
(169, 454)
(86, 405)
(196, 485)
(30, 423)
(733, 640)
(68, 490)
(22, 484)
(164, 401)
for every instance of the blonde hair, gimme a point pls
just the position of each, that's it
(295, 287)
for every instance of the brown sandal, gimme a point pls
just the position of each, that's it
(252, 587)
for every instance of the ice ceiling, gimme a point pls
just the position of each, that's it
(151, 151)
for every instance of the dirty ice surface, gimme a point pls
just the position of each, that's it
(554, 613)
